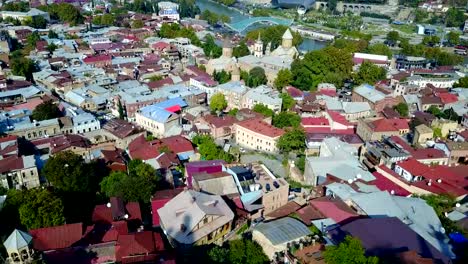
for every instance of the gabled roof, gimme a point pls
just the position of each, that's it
(388, 125)
(56, 237)
(283, 230)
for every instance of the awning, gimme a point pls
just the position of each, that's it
(174, 108)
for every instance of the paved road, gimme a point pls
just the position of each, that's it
(274, 165)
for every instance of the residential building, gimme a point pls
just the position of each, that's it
(220, 126)
(260, 191)
(85, 122)
(458, 152)
(119, 131)
(422, 134)
(338, 159)
(159, 199)
(161, 119)
(447, 127)
(392, 232)
(277, 236)
(379, 60)
(168, 10)
(376, 99)
(410, 62)
(233, 92)
(264, 95)
(36, 129)
(195, 218)
(257, 135)
(33, 12)
(18, 172)
(376, 129)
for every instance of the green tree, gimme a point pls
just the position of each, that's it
(138, 185)
(288, 102)
(16, 6)
(36, 22)
(431, 40)
(137, 23)
(420, 15)
(286, 119)
(292, 141)
(218, 102)
(52, 34)
(257, 77)
(454, 17)
(369, 73)
(40, 208)
(209, 150)
(23, 67)
(402, 109)
(46, 110)
(349, 251)
(64, 12)
(283, 79)
(263, 109)
(121, 110)
(155, 78)
(380, 49)
(453, 38)
(240, 50)
(233, 112)
(393, 36)
(51, 47)
(33, 38)
(434, 110)
(210, 48)
(68, 172)
(330, 64)
(222, 76)
(462, 82)
(442, 204)
(239, 251)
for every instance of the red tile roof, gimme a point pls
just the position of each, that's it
(102, 213)
(387, 125)
(218, 122)
(314, 121)
(97, 58)
(338, 118)
(160, 198)
(419, 154)
(56, 237)
(331, 210)
(8, 138)
(384, 184)
(11, 163)
(448, 98)
(294, 92)
(178, 144)
(260, 127)
(141, 244)
(413, 166)
(139, 148)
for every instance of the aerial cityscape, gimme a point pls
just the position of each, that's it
(234, 131)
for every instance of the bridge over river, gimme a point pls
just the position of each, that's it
(242, 25)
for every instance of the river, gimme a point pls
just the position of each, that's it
(236, 16)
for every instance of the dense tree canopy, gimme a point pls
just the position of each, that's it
(210, 48)
(36, 22)
(274, 35)
(138, 185)
(454, 17)
(369, 73)
(105, 20)
(52, 34)
(241, 50)
(380, 49)
(218, 102)
(40, 208)
(256, 77)
(286, 119)
(283, 79)
(350, 251)
(209, 150)
(263, 109)
(462, 82)
(330, 64)
(402, 109)
(213, 18)
(433, 53)
(453, 38)
(292, 141)
(173, 30)
(46, 110)
(288, 102)
(222, 76)
(64, 12)
(393, 36)
(240, 251)
(188, 8)
(23, 67)
(68, 172)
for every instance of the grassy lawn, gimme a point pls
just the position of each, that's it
(409, 29)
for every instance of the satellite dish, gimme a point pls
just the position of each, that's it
(350, 181)
(392, 192)
(359, 176)
(442, 230)
(126, 216)
(108, 205)
(457, 205)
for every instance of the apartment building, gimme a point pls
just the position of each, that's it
(256, 134)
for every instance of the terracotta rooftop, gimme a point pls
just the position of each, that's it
(387, 125)
(56, 237)
(260, 127)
